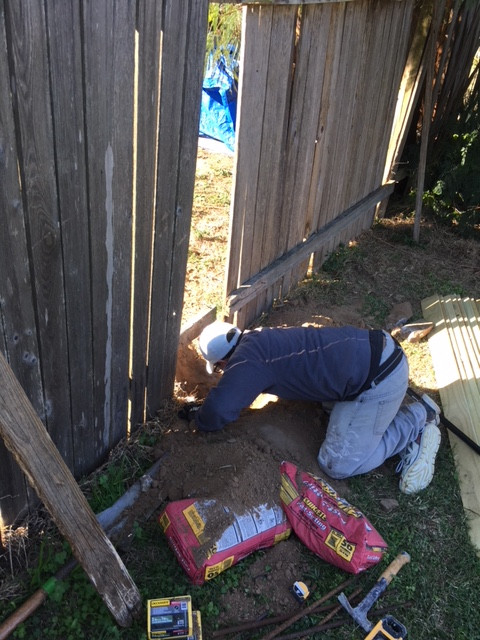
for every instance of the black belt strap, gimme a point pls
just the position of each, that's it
(376, 337)
(389, 365)
(379, 371)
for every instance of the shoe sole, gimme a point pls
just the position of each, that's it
(419, 475)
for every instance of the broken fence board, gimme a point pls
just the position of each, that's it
(27, 439)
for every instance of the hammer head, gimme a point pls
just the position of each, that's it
(358, 613)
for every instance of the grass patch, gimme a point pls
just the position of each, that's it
(442, 582)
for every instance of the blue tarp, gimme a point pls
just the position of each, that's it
(219, 101)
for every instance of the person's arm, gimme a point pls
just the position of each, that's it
(241, 383)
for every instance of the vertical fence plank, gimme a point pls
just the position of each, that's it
(18, 338)
(266, 217)
(308, 86)
(183, 48)
(398, 61)
(306, 105)
(149, 29)
(256, 28)
(321, 175)
(32, 99)
(64, 29)
(109, 29)
(357, 163)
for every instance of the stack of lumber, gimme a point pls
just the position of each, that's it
(455, 348)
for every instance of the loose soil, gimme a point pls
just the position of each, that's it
(239, 466)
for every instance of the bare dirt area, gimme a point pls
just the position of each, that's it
(381, 274)
(240, 467)
(368, 284)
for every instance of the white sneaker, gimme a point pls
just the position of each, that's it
(417, 462)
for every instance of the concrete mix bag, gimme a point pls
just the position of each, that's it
(208, 537)
(327, 524)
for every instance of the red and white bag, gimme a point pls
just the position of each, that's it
(327, 524)
(208, 537)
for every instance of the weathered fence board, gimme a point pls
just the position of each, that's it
(98, 143)
(18, 316)
(29, 61)
(63, 27)
(184, 36)
(254, 52)
(268, 199)
(149, 27)
(108, 29)
(344, 83)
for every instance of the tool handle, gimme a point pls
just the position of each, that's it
(395, 566)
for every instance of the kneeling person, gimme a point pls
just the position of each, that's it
(362, 374)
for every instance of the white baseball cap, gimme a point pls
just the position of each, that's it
(216, 341)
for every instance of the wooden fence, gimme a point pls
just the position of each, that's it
(99, 106)
(318, 96)
(99, 109)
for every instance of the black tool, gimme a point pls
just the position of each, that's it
(388, 628)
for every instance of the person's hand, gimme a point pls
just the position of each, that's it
(189, 411)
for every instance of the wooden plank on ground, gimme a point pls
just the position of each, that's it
(26, 437)
(455, 347)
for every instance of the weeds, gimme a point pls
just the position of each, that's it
(443, 578)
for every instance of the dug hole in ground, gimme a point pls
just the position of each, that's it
(239, 467)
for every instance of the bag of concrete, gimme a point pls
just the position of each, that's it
(208, 537)
(327, 524)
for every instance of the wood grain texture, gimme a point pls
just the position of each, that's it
(64, 29)
(183, 46)
(109, 45)
(32, 103)
(18, 336)
(26, 437)
(332, 112)
(455, 347)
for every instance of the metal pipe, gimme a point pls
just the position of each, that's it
(304, 612)
(325, 626)
(263, 622)
(110, 522)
